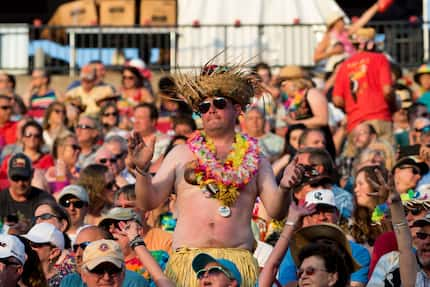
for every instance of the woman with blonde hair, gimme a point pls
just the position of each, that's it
(54, 123)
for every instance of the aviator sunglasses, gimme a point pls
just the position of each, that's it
(219, 102)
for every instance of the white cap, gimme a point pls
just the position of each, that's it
(46, 233)
(320, 196)
(75, 190)
(11, 246)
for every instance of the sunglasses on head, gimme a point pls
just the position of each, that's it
(105, 160)
(219, 102)
(17, 178)
(45, 216)
(309, 271)
(81, 245)
(422, 235)
(76, 203)
(213, 270)
(110, 269)
(84, 127)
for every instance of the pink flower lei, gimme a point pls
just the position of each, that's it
(240, 166)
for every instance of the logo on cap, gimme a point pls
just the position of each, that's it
(19, 162)
(103, 247)
(2, 244)
(318, 195)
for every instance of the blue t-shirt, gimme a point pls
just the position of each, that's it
(288, 269)
(132, 279)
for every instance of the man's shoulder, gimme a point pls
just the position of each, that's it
(72, 280)
(40, 194)
(358, 249)
(133, 279)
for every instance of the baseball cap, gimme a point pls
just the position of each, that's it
(10, 245)
(102, 251)
(19, 165)
(120, 214)
(202, 259)
(46, 233)
(320, 196)
(422, 221)
(75, 190)
(413, 161)
(312, 233)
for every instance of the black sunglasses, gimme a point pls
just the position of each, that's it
(17, 178)
(110, 114)
(76, 203)
(105, 160)
(422, 235)
(45, 216)
(82, 245)
(120, 155)
(5, 107)
(39, 245)
(425, 129)
(309, 271)
(110, 269)
(414, 210)
(75, 147)
(220, 103)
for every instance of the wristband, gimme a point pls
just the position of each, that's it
(398, 226)
(141, 171)
(137, 241)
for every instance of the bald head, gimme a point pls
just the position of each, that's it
(88, 234)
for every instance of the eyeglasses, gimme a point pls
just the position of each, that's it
(76, 203)
(17, 178)
(105, 160)
(114, 114)
(309, 271)
(211, 271)
(120, 155)
(414, 210)
(81, 245)
(58, 111)
(44, 216)
(39, 245)
(422, 235)
(111, 185)
(30, 135)
(128, 77)
(5, 108)
(415, 170)
(220, 103)
(111, 270)
(84, 127)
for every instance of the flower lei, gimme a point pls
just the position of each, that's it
(379, 213)
(240, 166)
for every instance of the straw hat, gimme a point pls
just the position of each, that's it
(364, 34)
(291, 72)
(310, 234)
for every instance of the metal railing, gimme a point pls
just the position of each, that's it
(66, 49)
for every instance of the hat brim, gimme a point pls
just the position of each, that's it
(201, 260)
(422, 166)
(36, 239)
(421, 222)
(309, 234)
(418, 75)
(91, 264)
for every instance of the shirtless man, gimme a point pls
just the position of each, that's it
(211, 217)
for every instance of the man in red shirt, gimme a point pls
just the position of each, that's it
(363, 87)
(8, 129)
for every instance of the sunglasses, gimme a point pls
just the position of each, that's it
(45, 216)
(120, 155)
(5, 108)
(220, 103)
(309, 271)
(128, 77)
(415, 170)
(414, 210)
(39, 245)
(30, 135)
(425, 129)
(105, 160)
(111, 185)
(81, 245)
(114, 114)
(422, 235)
(110, 269)
(75, 147)
(76, 203)
(17, 178)
(84, 127)
(211, 271)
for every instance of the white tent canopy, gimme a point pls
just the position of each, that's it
(280, 45)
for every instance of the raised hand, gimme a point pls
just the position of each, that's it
(292, 174)
(129, 229)
(139, 152)
(297, 212)
(384, 187)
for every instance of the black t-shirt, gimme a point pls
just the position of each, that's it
(8, 206)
